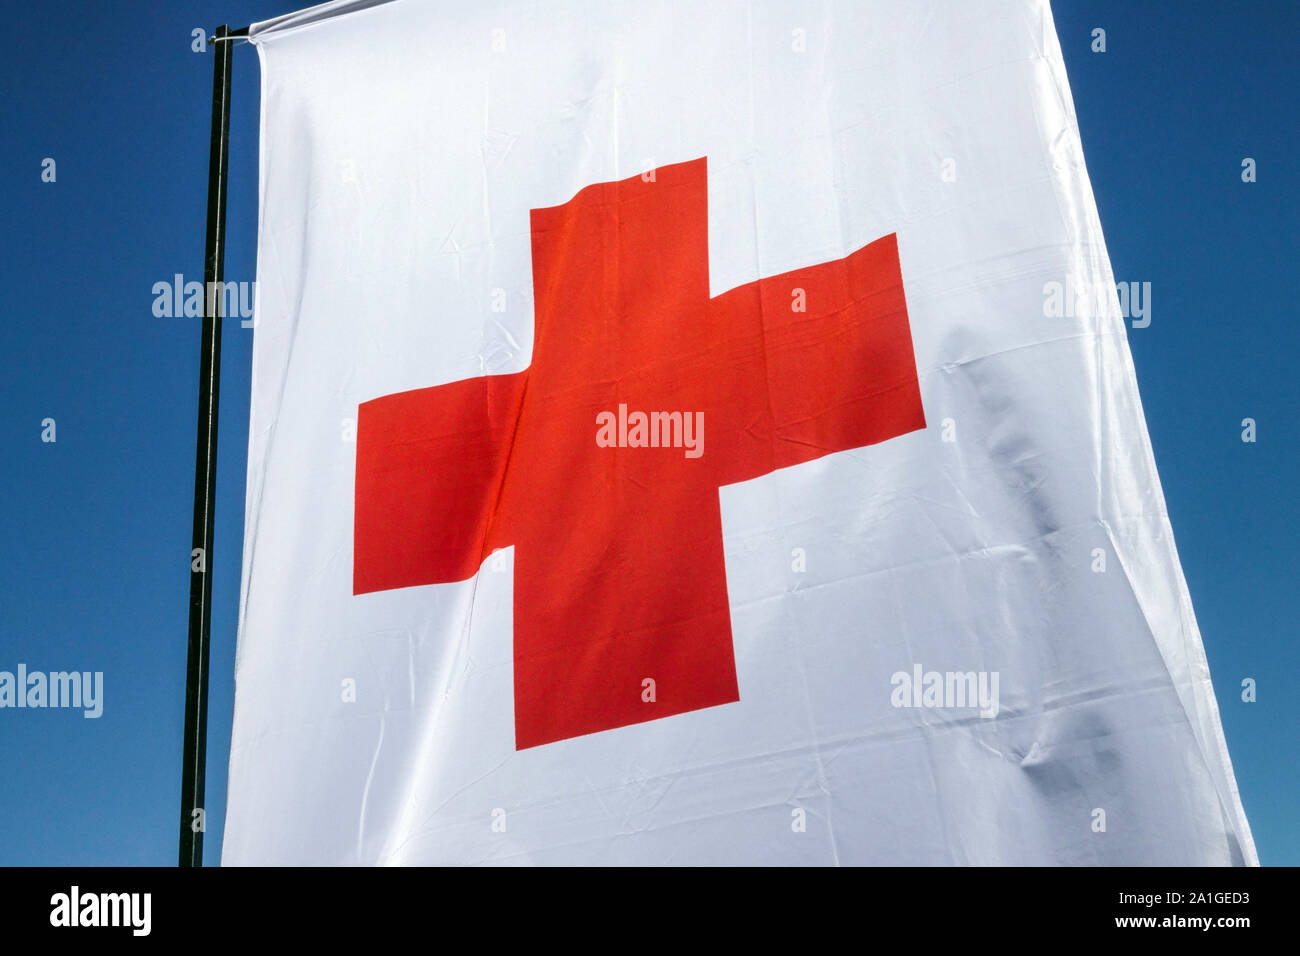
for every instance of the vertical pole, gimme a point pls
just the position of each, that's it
(205, 466)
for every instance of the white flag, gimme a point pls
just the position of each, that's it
(701, 434)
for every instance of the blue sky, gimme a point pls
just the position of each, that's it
(95, 528)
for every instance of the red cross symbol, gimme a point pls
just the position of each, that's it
(619, 571)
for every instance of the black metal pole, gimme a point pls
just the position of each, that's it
(205, 468)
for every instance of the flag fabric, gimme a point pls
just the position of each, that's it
(668, 446)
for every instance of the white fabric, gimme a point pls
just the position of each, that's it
(402, 147)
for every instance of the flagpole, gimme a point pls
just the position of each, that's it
(205, 467)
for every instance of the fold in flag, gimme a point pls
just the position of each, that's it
(662, 452)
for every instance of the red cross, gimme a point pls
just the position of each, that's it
(619, 569)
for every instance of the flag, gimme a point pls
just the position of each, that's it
(701, 435)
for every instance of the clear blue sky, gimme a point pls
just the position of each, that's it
(95, 528)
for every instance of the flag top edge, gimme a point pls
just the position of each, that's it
(308, 16)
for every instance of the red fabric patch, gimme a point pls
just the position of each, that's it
(619, 569)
